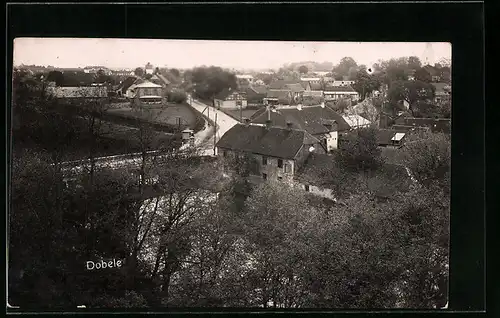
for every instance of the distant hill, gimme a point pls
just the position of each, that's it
(312, 66)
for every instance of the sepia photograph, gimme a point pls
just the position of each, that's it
(176, 173)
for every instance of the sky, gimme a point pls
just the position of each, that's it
(131, 53)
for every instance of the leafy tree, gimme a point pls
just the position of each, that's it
(175, 72)
(428, 156)
(55, 76)
(177, 97)
(303, 69)
(212, 80)
(414, 63)
(345, 64)
(421, 74)
(410, 92)
(362, 152)
(365, 84)
(139, 71)
(148, 76)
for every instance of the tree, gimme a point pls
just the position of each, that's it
(410, 92)
(361, 153)
(55, 76)
(428, 156)
(139, 71)
(175, 72)
(345, 64)
(303, 69)
(365, 84)
(177, 97)
(273, 213)
(414, 63)
(210, 81)
(421, 74)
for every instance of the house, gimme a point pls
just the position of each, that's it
(244, 79)
(281, 84)
(95, 69)
(277, 153)
(256, 94)
(332, 93)
(278, 97)
(433, 72)
(442, 125)
(149, 69)
(158, 80)
(356, 121)
(294, 87)
(390, 137)
(146, 92)
(228, 99)
(342, 83)
(312, 89)
(316, 80)
(442, 92)
(322, 123)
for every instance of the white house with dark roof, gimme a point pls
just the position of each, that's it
(229, 99)
(332, 93)
(145, 91)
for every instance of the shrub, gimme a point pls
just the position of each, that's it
(177, 97)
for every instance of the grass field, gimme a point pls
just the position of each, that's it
(166, 115)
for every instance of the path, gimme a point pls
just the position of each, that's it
(224, 123)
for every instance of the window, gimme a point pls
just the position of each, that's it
(264, 160)
(306, 187)
(288, 168)
(224, 153)
(280, 163)
(264, 176)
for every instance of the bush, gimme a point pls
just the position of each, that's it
(177, 97)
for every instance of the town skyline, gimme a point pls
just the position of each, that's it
(184, 54)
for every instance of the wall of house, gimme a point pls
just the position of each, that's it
(271, 168)
(273, 171)
(304, 153)
(230, 104)
(332, 140)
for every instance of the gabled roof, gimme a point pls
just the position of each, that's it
(316, 86)
(259, 89)
(273, 142)
(347, 88)
(281, 84)
(147, 84)
(386, 136)
(279, 94)
(430, 69)
(295, 88)
(310, 119)
(435, 124)
(224, 94)
(356, 120)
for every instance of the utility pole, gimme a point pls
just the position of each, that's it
(215, 133)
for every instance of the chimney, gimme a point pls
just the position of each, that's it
(289, 125)
(268, 123)
(246, 121)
